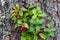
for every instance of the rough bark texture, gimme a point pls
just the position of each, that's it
(51, 7)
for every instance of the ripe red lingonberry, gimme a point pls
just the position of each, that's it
(46, 25)
(22, 28)
(13, 8)
(41, 31)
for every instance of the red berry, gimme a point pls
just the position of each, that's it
(46, 25)
(41, 31)
(22, 28)
(13, 8)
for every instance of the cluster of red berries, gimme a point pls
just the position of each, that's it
(22, 28)
(46, 25)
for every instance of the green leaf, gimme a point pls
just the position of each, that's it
(12, 15)
(34, 16)
(42, 26)
(32, 21)
(19, 21)
(52, 34)
(23, 38)
(15, 26)
(23, 9)
(26, 36)
(25, 19)
(11, 11)
(49, 19)
(32, 29)
(41, 21)
(26, 25)
(47, 30)
(26, 14)
(35, 37)
(42, 15)
(34, 11)
(14, 18)
(29, 37)
(42, 36)
(37, 19)
(51, 24)
(31, 6)
(21, 13)
(37, 29)
(38, 9)
(53, 29)
(15, 6)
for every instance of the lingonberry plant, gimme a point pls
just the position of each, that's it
(31, 22)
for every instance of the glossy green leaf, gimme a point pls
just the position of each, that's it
(23, 38)
(41, 21)
(26, 36)
(14, 18)
(47, 30)
(38, 9)
(15, 26)
(34, 11)
(34, 16)
(49, 19)
(37, 19)
(15, 6)
(25, 19)
(26, 14)
(42, 26)
(43, 36)
(42, 15)
(52, 34)
(51, 24)
(23, 9)
(12, 15)
(53, 29)
(37, 29)
(29, 37)
(32, 29)
(32, 21)
(19, 21)
(21, 13)
(26, 25)
(31, 6)
(35, 38)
